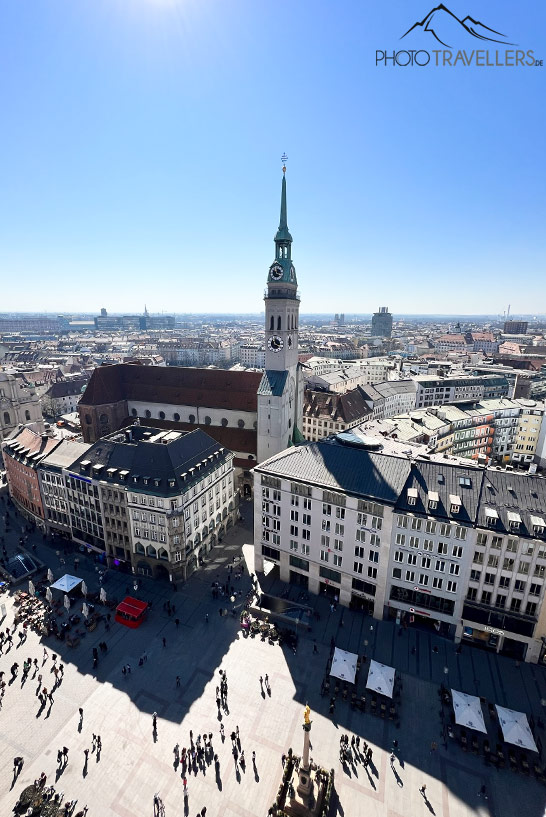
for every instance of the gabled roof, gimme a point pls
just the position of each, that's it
(174, 385)
(447, 481)
(512, 493)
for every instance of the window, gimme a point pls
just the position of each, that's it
(534, 589)
(293, 545)
(442, 548)
(337, 560)
(400, 539)
(428, 544)
(425, 561)
(416, 524)
(402, 521)
(478, 557)
(338, 544)
(360, 535)
(540, 571)
(471, 594)
(508, 564)
(457, 551)
(531, 608)
(307, 504)
(523, 567)
(496, 542)
(306, 519)
(460, 533)
(492, 561)
(340, 529)
(437, 582)
(412, 558)
(396, 573)
(373, 556)
(451, 586)
(305, 550)
(500, 601)
(430, 526)
(340, 512)
(482, 538)
(294, 500)
(359, 552)
(515, 605)
(293, 515)
(327, 509)
(414, 541)
(512, 546)
(445, 530)
(375, 540)
(398, 555)
(325, 541)
(423, 579)
(358, 567)
(504, 581)
(440, 565)
(410, 576)
(306, 534)
(489, 578)
(372, 573)
(325, 524)
(293, 530)
(519, 586)
(323, 555)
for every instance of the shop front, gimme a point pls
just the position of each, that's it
(504, 633)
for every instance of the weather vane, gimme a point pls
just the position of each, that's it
(284, 159)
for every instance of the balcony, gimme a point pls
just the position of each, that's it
(282, 292)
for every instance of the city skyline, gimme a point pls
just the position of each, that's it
(145, 145)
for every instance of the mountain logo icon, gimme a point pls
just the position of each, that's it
(446, 28)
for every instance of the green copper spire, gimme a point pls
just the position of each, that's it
(283, 233)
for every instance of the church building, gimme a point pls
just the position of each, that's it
(251, 414)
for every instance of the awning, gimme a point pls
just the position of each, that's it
(468, 711)
(66, 583)
(381, 678)
(344, 665)
(515, 728)
(131, 607)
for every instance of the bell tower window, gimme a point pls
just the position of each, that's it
(272, 323)
(278, 323)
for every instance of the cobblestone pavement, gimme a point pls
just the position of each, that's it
(132, 766)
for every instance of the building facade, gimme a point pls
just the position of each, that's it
(382, 322)
(19, 404)
(22, 454)
(432, 543)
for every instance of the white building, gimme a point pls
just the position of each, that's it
(19, 405)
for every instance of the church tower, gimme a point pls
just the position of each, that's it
(280, 395)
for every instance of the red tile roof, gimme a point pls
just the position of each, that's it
(175, 385)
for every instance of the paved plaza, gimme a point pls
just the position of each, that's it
(132, 766)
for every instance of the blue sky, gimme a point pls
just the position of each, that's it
(141, 142)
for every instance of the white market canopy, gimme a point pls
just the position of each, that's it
(66, 583)
(468, 711)
(381, 678)
(515, 728)
(344, 665)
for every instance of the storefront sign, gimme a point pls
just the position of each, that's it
(493, 630)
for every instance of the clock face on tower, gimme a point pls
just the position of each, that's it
(275, 343)
(276, 272)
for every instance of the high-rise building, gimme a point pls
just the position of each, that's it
(515, 327)
(382, 322)
(280, 394)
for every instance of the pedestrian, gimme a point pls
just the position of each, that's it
(164, 641)
(177, 621)
(483, 792)
(99, 744)
(266, 680)
(423, 790)
(433, 746)
(178, 680)
(86, 753)
(59, 756)
(283, 759)
(154, 721)
(253, 758)
(207, 618)
(392, 758)
(65, 754)
(315, 650)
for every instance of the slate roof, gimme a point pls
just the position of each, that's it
(349, 407)
(509, 492)
(65, 454)
(174, 385)
(63, 388)
(445, 480)
(336, 467)
(272, 383)
(155, 460)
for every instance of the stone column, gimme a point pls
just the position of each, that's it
(305, 785)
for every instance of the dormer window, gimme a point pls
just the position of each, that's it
(455, 503)
(538, 525)
(412, 496)
(171, 483)
(514, 520)
(491, 517)
(432, 500)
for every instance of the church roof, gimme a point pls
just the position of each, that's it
(272, 383)
(174, 385)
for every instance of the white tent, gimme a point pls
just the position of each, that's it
(515, 728)
(66, 583)
(49, 575)
(344, 665)
(468, 711)
(381, 678)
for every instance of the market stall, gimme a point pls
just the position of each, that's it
(130, 612)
